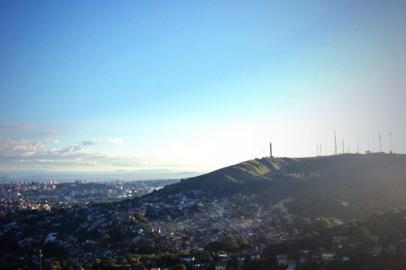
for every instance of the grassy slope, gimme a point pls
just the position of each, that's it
(344, 186)
(240, 177)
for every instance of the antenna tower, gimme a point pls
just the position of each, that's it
(335, 143)
(390, 142)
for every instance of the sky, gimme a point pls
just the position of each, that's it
(191, 86)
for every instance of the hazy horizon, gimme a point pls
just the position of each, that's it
(104, 87)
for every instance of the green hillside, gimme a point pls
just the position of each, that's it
(343, 186)
(247, 176)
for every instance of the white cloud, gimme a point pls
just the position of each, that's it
(23, 148)
(115, 141)
(74, 147)
(24, 153)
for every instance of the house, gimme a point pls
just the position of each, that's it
(376, 250)
(374, 239)
(223, 257)
(327, 257)
(339, 240)
(282, 259)
(291, 265)
(391, 249)
(187, 259)
(221, 265)
(197, 266)
(302, 259)
(304, 252)
(345, 259)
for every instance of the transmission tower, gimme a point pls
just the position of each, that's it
(335, 143)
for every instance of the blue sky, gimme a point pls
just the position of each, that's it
(102, 86)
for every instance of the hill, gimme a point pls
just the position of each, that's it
(240, 209)
(344, 186)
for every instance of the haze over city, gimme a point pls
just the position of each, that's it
(164, 88)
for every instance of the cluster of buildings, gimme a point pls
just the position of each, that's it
(185, 221)
(18, 195)
(343, 249)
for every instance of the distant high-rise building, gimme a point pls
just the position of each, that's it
(270, 150)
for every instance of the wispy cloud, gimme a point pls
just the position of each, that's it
(74, 147)
(46, 133)
(17, 126)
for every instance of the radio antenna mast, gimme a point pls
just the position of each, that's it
(390, 142)
(357, 146)
(335, 143)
